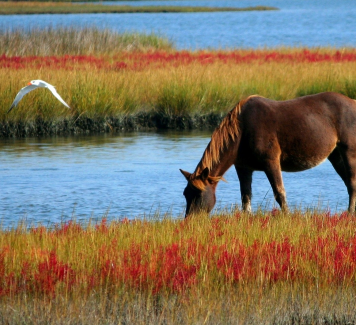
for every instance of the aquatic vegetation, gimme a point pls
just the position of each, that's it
(129, 82)
(66, 7)
(172, 83)
(163, 59)
(60, 41)
(297, 257)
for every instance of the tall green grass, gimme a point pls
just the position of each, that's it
(77, 41)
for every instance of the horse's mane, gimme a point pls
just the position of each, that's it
(223, 135)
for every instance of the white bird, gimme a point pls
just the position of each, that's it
(33, 85)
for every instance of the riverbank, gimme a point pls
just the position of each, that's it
(80, 125)
(160, 90)
(141, 82)
(231, 268)
(33, 7)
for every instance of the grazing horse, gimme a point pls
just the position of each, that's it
(274, 136)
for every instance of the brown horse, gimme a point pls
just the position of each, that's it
(275, 136)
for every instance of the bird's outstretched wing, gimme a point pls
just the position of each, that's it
(55, 94)
(20, 94)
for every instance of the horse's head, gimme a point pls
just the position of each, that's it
(200, 191)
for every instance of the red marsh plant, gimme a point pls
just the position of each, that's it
(162, 59)
(174, 256)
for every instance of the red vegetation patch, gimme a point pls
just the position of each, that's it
(184, 263)
(139, 60)
(55, 62)
(184, 58)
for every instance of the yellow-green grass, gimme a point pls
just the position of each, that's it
(169, 90)
(33, 7)
(297, 268)
(106, 76)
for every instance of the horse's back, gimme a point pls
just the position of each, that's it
(301, 132)
(326, 103)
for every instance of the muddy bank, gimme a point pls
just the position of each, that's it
(85, 125)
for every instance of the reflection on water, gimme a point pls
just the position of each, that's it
(130, 175)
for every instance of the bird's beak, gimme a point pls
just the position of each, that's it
(29, 84)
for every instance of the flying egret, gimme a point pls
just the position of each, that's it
(33, 85)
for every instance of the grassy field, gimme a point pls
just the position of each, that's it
(133, 81)
(234, 268)
(34, 7)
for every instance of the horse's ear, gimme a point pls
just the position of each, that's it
(205, 174)
(185, 174)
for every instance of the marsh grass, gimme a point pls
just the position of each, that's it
(122, 82)
(231, 268)
(57, 7)
(76, 41)
(334, 307)
(170, 91)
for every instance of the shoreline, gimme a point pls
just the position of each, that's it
(32, 7)
(77, 125)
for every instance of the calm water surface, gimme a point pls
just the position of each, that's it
(49, 180)
(297, 23)
(131, 175)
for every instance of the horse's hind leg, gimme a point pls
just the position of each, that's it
(344, 162)
(245, 178)
(274, 175)
(338, 163)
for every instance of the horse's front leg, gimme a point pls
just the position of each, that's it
(245, 178)
(274, 175)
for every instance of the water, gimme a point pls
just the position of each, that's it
(131, 175)
(52, 180)
(297, 23)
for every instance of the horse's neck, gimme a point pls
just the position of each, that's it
(224, 159)
(221, 151)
